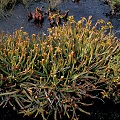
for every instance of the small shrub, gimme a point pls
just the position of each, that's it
(54, 74)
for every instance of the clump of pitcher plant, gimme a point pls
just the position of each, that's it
(54, 74)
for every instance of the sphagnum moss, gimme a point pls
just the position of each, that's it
(55, 74)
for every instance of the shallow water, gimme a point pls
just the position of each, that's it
(84, 8)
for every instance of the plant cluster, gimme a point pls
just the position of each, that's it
(8, 5)
(55, 17)
(115, 5)
(54, 74)
(38, 16)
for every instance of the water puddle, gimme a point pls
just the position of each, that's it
(84, 8)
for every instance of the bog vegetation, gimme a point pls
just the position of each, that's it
(115, 4)
(6, 5)
(56, 73)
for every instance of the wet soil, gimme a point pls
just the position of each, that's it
(85, 8)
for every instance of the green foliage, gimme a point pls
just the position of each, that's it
(114, 73)
(55, 73)
(115, 4)
(6, 5)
